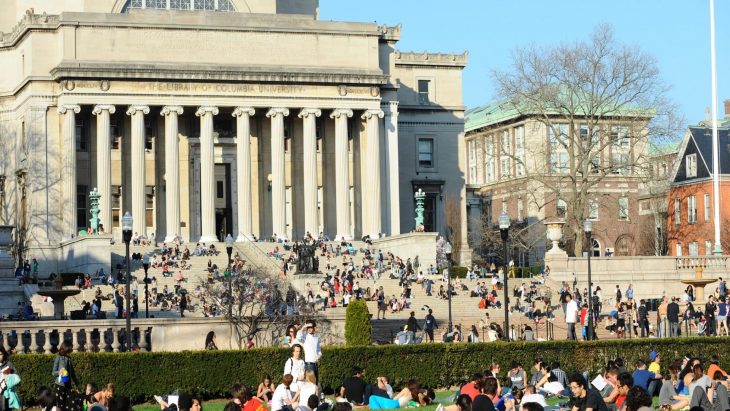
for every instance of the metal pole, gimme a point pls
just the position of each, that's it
(146, 296)
(506, 286)
(589, 333)
(448, 291)
(229, 250)
(715, 137)
(129, 311)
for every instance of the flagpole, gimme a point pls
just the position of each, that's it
(715, 142)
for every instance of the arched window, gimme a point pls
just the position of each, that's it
(596, 248)
(192, 5)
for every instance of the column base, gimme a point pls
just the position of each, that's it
(208, 239)
(243, 238)
(376, 236)
(170, 239)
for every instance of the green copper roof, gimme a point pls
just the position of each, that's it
(494, 113)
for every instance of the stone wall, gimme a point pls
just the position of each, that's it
(410, 245)
(651, 276)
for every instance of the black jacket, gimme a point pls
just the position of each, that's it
(673, 312)
(413, 324)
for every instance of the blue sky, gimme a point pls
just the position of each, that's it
(676, 32)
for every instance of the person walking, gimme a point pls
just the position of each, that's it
(429, 325)
(571, 314)
(63, 375)
(411, 327)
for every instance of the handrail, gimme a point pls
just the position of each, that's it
(273, 268)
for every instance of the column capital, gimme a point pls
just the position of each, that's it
(240, 111)
(134, 109)
(275, 111)
(203, 110)
(306, 112)
(62, 109)
(104, 107)
(341, 112)
(170, 110)
(368, 114)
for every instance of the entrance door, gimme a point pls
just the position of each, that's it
(223, 204)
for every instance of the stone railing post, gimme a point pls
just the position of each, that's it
(34, 341)
(88, 346)
(76, 339)
(47, 341)
(115, 340)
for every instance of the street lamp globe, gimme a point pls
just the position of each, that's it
(127, 222)
(146, 260)
(504, 221)
(447, 248)
(588, 227)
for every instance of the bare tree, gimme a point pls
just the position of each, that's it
(600, 104)
(524, 237)
(260, 307)
(452, 214)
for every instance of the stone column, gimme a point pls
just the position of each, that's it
(391, 136)
(342, 169)
(372, 195)
(68, 159)
(311, 214)
(104, 163)
(172, 172)
(278, 189)
(207, 174)
(139, 197)
(243, 172)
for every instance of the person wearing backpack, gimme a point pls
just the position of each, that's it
(295, 367)
(429, 325)
(64, 375)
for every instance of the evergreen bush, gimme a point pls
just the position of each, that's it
(358, 328)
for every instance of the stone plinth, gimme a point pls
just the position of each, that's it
(6, 260)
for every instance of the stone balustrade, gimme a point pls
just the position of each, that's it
(705, 262)
(38, 337)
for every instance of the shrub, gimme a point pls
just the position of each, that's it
(358, 328)
(458, 272)
(210, 374)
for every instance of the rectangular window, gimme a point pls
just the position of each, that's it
(694, 249)
(708, 210)
(623, 208)
(473, 178)
(149, 206)
(677, 212)
(620, 136)
(593, 209)
(708, 247)
(116, 199)
(425, 153)
(81, 212)
(505, 147)
(691, 209)
(562, 134)
(504, 206)
(562, 208)
(520, 151)
(219, 189)
(80, 136)
(679, 249)
(491, 161)
(520, 210)
(559, 162)
(691, 165)
(424, 87)
(619, 162)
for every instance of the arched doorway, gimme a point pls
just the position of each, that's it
(624, 245)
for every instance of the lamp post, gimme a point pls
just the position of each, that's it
(588, 228)
(146, 266)
(229, 250)
(504, 223)
(127, 224)
(448, 250)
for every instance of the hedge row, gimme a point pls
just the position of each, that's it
(211, 373)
